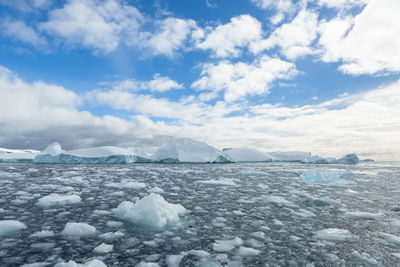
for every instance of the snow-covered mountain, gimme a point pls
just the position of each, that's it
(189, 150)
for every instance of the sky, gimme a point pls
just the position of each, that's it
(312, 75)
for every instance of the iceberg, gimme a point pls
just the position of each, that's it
(96, 155)
(17, 155)
(347, 159)
(189, 150)
(245, 154)
(324, 176)
(152, 211)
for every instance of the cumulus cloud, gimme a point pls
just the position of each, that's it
(367, 43)
(240, 79)
(157, 84)
(227, 39)
(18, 30)
(293, 38)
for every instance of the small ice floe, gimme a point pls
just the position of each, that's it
(227, 245)
(334, 234)
(225, 181)
(115, 224)
(304, 213)
(390, 239)
(152, 211)
(111, 235)
(126, 184)
(364, 258)
(321, 202)
(92, 263)
(55, 200)
(199, 253)
(173, 260)
(245, 251)
(103, 248)
(324, 176)
(364, 215)
(147, 264)
(279, 201)
(75, 229)
(42, 234)
(10, 227)
(37, 264)
(395, 225)
(250, 172)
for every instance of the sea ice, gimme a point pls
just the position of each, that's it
(54, 200)
(75, 229)
(10, 227)
(152, 210)
(43, 234)
(222, 181)
(173, 260)
(227, 245)
(324, 176)
(92, 263)
(245, 251)
(103, 248)
(365, 215)
(334, 234)
(390, 239)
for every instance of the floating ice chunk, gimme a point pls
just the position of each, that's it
(10, 227)
(334, 234)
(103, 248)
(304, 213)
(199, 253)
(245, 251)
(364, 258)
(324, 176)
(279, 201)
(289, 156)
(147, 264)
(253, 173)
(189, 150)
(321, 202)
(227, 245)
(223, 181)
(390, 239)
(152, 210)
(92, 263)
(114, 224)
(75, 229)
(395, 225)
(54, 200)
(126, 184)
(37, 264)
(173, 260)
(43, 234)
(365, 215)
(111, 235)
(244, 154)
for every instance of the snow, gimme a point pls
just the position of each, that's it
(95, 155)
(10, 227)
(152, 211)
(324, 176)
(75, 229)
(334, 234)
(365, 215)
(103, 248)
(245, 154)
(55, 200)
(92, 263)
(225, 181)
(189, 150)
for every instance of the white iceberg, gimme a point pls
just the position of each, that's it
(152, 211)
(347, 159)
(54, 200)
(96, 155)
(189, 150)
(10, 227)
(245, 154)
(75, 229)
(17, 155)
(289, 156)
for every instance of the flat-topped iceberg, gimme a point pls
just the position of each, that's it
(189, 150)
(289, 156)
(347, 159)
(245, 154)
(96, 155)
(17, 155)
(151, 211)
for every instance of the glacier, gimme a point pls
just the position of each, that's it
(245, 154)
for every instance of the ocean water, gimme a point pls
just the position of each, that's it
(249, 214)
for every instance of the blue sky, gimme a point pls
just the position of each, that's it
(311, 75)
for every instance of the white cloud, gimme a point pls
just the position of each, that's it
(241, 79)
(157, 84)
(94, 24)
(367, 43)
(282, 8)
(171, 36)
(294, 38)
(17, 29)
(342, 3)
(227, 39)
